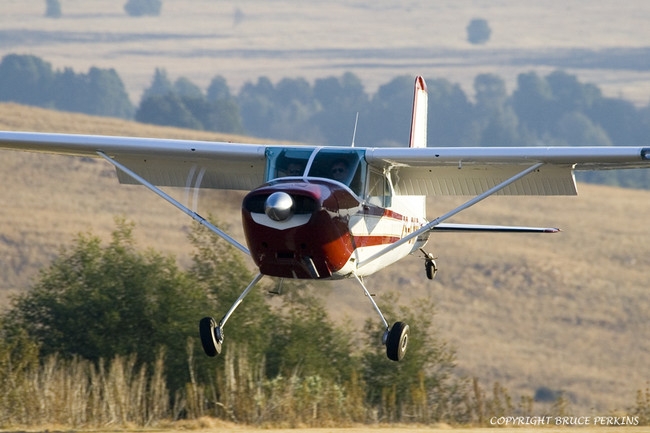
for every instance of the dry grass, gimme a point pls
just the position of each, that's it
(566, 311)
(375, 39)
(227, 428)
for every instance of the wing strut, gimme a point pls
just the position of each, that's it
(196, 217)
(430, 226)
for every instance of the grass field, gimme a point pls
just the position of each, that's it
(566, 311)
(377, 40)
(410, 429)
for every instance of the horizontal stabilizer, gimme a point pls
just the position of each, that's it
(491, 228)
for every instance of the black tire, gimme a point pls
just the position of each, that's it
(431, 268)
(397, 342)
(211, 345)
(428, 265)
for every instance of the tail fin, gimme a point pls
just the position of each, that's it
(419, 120)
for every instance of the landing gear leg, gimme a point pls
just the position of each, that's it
(395, 338)
(430, 266)
(212, 333)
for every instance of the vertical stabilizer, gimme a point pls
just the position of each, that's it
(419, 120)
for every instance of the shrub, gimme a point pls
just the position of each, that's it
(138, 8)
(478, 31)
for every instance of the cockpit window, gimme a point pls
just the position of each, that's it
(343, 165)
(286, 162)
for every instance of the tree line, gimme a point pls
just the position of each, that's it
(107, 335)
(556, 109)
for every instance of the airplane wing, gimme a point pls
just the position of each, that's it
(472, 170)
(163, 162)
(414, 171)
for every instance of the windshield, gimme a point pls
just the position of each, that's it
(283, 162)
(345, 165)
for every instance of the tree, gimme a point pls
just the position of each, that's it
(100, 92)
(478, 31)
(26, 79)
(105, 95)
(576, 129)
(340, 99)
(98, 301)
(304, 338)
(52, 8)
(423, 382)
(219, 270)
(257, 107)
(533, 103)
(390, 112)
(218, 89)
(450, 114)
(494, 118)
(185, 88)
(138, 8)
(166, 110)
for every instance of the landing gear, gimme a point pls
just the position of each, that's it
(396, 338)
(211, 337)
(397, 341)
(212, 333)
(430, 266)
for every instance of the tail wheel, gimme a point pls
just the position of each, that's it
(397, 342)
(211, 343)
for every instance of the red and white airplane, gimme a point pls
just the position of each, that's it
(329, 212)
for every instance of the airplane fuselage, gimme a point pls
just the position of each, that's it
(327, 232)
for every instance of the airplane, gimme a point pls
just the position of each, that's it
(332, 213)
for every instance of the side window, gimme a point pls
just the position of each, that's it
(378, 189)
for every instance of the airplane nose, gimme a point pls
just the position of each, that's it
(279, 206)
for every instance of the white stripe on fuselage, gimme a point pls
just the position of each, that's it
(373, 232)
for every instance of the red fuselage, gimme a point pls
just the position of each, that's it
(319, 239)
(314, 243)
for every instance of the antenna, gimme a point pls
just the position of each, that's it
(354, 134)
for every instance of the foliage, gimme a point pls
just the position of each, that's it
(642, 407)
(288, 365)
(183, 104)
(556, 109)
(304, 340)
(53, 8)
(219, 271)
(138, 8)
(478, 31)
(100, 92)
(18, 355)
(99, 301)
(422, 385)
(26, 79)
(29, 80)
(77, 392)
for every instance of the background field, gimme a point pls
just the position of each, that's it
(568, 311)
(604, 41)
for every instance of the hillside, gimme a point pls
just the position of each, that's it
(604, 43)
(567, 311)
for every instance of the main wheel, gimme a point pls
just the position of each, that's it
(431, 268)
(209, 340)
(397, 342)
